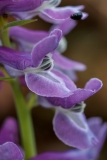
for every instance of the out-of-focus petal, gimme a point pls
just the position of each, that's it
(9, 151)
(60, 14)
(9, 131)
(65, 26)
(72, 129)
(66, 63)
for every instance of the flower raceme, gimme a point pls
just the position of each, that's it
(46, 9)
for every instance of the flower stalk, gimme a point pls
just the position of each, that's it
(24, 116)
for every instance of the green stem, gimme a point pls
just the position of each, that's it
(4, 33)
(24, 116)
(25, 121)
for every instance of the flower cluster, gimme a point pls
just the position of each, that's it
(36, 60)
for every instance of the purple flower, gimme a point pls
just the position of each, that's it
(69, 123)
(26, 39)
(99, 129)
(9, 131)
(10, 151)
(25, 9)
(8, 141)
(77, 96)
(46, 9)
(37, 67)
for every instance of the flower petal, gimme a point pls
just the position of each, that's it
(21, 34)
(65, 26)
(9, 151)
(59, 14)
(66, 63)
(14, 59)
(77, 95)
(45, 46)
(9, 131)
(72, 129)
(68, 155)
(94, 84)
(49, 84)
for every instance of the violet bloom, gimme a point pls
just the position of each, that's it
(9, 131)
(8, 141)
(10, 151)
(37, 67)
(46, 9)
(69, 122)
(26, 39)
(99, 129)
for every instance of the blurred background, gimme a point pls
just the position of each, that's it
(87, 43)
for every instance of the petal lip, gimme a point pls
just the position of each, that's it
(47, 84)
(72, 129)
(94, 84)
(78, 95)
(10, 151)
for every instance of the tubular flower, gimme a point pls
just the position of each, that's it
(26, 39)
(69, 122)
(46, 9)
(9, 131)
(8, 140)
(37, 67)
(99, 129)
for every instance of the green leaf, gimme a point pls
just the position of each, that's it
(5, 79)
(18, 23)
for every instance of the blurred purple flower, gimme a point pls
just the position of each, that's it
(8, 140)
(99, 129)
(46, 9)
(10, 151)
(69, 123)
(26, 39)
(37, 67)
(9, 131)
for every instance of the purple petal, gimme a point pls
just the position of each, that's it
(13, 72)
(66, 63)
(9, 131)
(94, 84)
(66, 26)
(100, 130)
(72, 129)
(60, 14)
(9, 151)
(14, 59)
(68, 155)
(77, 95)
(45, 46)
(10, 6)
(26, 38)
(44, 102)
(51, 83)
